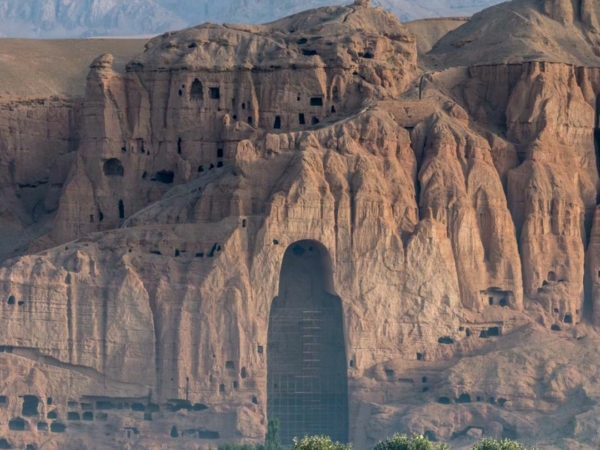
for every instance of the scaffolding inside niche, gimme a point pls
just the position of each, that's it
(307, 380)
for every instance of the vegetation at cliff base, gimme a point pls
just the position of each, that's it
(403, 442)
(319, 443)
(396, 442)
(272, 441)
(504, 444)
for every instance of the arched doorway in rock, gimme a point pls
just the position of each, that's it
(307, 381)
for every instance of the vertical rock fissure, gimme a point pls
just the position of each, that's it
(307, 386)
(70, 324)
(104, 331)
(597, 140)
(588, 286)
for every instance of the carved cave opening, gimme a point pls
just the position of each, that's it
(113, 168)
(30, 406)
(307, 385)
(196, 91)
(215, 93)
(316, 101)
(497, 297)
(17, 424)
(57, 427)
(568, 318)
(164, 176)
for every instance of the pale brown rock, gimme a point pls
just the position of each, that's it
(450, 215)
(523, 30)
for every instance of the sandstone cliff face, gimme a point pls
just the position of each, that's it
(524, 30)
(451, 216)
(40, 124)
(38, 140)
(223, 85)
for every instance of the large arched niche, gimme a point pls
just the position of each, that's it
(307, 382)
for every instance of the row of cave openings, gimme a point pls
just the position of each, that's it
(12, 301)
(91, 411)
(113, 167)
(230, 366)
(30, 409)
(367, 53)
(197, 94)
(466, 398)
(6, 445)
(214, 250)
(567, 318)
(100, 214)
(498, 297)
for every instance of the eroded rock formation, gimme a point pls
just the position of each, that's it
(298, 219)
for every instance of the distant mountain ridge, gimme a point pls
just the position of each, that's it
(87, 18)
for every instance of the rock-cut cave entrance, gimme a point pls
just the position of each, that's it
(307, 384)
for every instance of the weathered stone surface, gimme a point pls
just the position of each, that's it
(524, 30)
(452, 217)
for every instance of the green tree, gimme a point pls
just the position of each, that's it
(319, 443)
(272, 441)
(504, 444)
(403, 442)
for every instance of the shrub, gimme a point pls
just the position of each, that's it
(319, 443)
(272, 441)
(403, 442)
(493, 444)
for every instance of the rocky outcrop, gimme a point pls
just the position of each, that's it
(420, 246)
(563, 31)
(301, 71)
(38, 141)
(40, 124)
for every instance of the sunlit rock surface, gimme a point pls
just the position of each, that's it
(306, 219)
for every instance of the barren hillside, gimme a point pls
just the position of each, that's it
(65, 18)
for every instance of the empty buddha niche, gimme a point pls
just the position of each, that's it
(307, 379)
